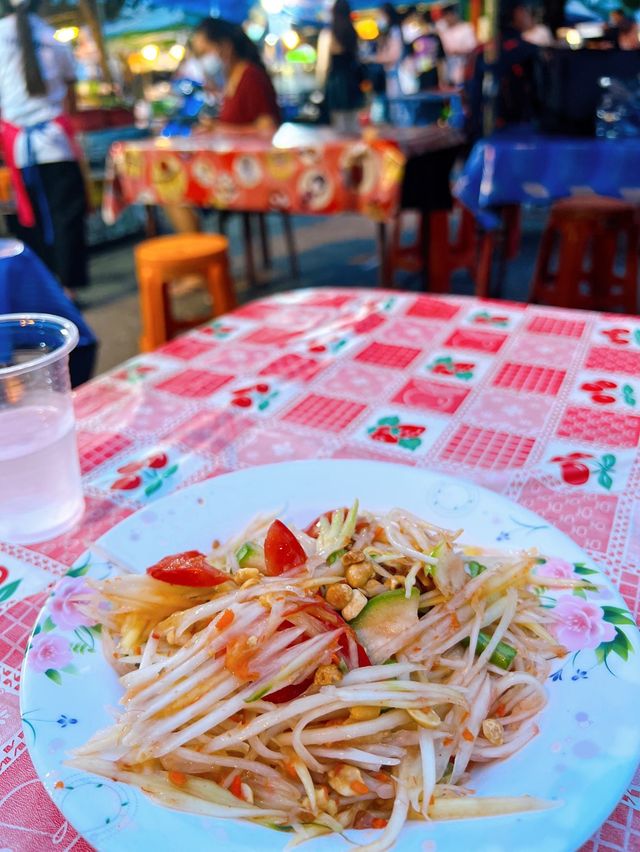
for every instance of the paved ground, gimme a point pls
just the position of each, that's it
(337, 250)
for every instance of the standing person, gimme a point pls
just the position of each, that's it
(391, 49)
(459, 42)
(426, 53)
(37, 96)
(339, 71)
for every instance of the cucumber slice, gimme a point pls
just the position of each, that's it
(383, 618)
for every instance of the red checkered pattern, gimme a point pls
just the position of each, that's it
(613, 360)
(98, 447)
(630, 588)
(96, 397)
(479, 341)
(601, 427)
(487, 448)
(586, 517)
(212, 431)
(15, 627)
(270, 336)
(433, 396)
(186, 348)
(324, 412)
(547, 324)
(193, 384)
(368, 324)
(430, 308)
(292, 366)
(387, 355)
(524, 377)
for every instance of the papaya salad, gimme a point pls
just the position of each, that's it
(346, 676)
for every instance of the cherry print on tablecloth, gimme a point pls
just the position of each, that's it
(151, 473)
(258, 396)
(575, 470)
(491, 320)
(607, 392)
(622, 336)
(7, 589)
(135, 372)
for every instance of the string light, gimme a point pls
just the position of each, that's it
(66, 34)
(150, 52)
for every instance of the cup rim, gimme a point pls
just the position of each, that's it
(69, 331)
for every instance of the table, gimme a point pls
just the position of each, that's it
(500, 393)
(301, 169)
(519, 168)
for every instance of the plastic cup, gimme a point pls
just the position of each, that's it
(40, 487)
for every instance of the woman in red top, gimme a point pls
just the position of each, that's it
(248, 97)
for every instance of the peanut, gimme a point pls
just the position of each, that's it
(326, 675)
(355, 606)
(358, 574)
(338, 595)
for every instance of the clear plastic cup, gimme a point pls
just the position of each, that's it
(40, 488)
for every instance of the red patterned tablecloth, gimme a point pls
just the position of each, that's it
(500, 393)
(298, 170)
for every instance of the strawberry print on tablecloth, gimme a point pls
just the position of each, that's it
(388, 355)
(497, 317)
(432, 396)
(475, 340)
(613, 360)
(602, 427)
(324, 412)
(493, 449)
(194, 384)
(461, 367)
(429, 308)
(401, 431)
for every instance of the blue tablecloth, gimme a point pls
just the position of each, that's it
(518, 168)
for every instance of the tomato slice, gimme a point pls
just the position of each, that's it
(289, 693)
(282, 550)
(187, 569)
(313, 528)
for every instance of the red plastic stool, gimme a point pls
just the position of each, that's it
(588, 228)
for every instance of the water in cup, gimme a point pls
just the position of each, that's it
(39, 470)
(40, 487)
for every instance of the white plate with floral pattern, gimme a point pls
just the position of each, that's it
(582, 759)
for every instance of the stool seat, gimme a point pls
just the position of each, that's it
(161, 260)
(584, 240)
(181, 248)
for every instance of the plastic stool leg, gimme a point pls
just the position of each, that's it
(438, 258)
(291, 246)
(154, 310)
(220, 286)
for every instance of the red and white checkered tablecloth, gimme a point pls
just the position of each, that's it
(542, 405)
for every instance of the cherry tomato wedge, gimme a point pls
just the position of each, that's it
(313, 528)
(282, 550)
(187, 569)
(289, 693)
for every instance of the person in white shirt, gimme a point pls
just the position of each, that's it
(391, 49)
(459, 41)
(36, 97)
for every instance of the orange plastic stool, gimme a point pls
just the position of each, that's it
(583, 227)
(6, 190)
(160, 261)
